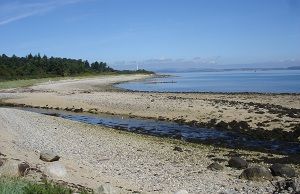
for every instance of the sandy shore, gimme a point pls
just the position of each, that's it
(131, 162)
(260, 112)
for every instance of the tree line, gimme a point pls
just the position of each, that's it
(36, 66)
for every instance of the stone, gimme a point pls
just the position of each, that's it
(14, 169)
(182, 191)
(106, 189)
(23, 168)
(49, 156)
(56, 169)
(179, 149)
(256, 173)
(292, 184)
(222, 125)
(238, 163)
(215, 166)
(282, 170)
(1, 162)
(230, 191)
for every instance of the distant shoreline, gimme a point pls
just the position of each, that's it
(291, 68)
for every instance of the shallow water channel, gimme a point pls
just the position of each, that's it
(175, 130)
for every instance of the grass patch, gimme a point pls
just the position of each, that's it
(19, 186)
(45, 188)
(24, 83)
(12, 186)
(30, 82)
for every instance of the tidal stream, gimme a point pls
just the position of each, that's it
(174, 130)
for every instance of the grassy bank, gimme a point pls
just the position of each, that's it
(25, 82)
(20, 186)
(29, 82)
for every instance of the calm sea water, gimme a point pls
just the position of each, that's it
(271, 81)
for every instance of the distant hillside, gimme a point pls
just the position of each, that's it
(38, 67)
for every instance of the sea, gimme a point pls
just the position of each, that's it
(257, 81)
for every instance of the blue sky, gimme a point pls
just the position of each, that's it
(161, 33)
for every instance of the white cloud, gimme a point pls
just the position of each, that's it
(18, 10)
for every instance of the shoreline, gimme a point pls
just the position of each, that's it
(137, 163)
(67, 95)
(196, 92)
(258, 134)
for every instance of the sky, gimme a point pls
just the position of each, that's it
(155, 33)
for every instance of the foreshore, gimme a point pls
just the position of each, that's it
(139, 163)
(270, 116)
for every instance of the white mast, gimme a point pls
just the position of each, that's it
(137, 66)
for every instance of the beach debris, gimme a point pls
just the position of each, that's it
(215, 166)
(49, 156)
(178, 149)
(238, 163)
(56, 169)
(282, 170)
(106, 189)
(256, 173)
(181, 192)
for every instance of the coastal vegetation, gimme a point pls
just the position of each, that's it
(20, 186)
(37, 66)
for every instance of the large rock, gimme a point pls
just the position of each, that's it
(106, 189)
(49, 156)
(181, 192)
(215, 166)
(237, 162)
(256, 173)
(56, 169)
(282, 170)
